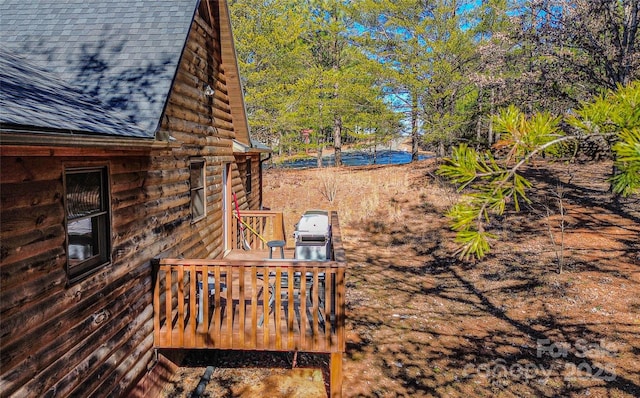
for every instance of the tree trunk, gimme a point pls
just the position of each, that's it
(414, 129)
(337, 119)
(491, 138)
(441, 149)
(479, 121)
(337, 139)
(319, 147)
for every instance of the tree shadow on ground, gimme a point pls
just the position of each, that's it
(432, 325)
(518, 356)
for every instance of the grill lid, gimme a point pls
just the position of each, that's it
(313, 222)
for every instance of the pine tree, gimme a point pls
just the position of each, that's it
(491, 183)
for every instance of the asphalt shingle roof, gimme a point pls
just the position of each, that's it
(33, 98)
(122, 53)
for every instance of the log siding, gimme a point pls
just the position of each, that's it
(95, 337)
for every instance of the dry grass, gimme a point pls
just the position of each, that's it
(358, 193)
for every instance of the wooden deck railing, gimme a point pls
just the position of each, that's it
(271, 305)
(255, 304)
(260, 226)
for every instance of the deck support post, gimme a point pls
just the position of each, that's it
(335, 375)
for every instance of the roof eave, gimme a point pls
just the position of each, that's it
(10, 137)
(230, 59)
(240, 148)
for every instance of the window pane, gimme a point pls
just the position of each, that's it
(198, 197)
(197, 203)
(82, 240)
(197, 174)
(248, 182)
(83, 194)
(88, 227)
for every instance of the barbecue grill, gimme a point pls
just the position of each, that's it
(313, 236)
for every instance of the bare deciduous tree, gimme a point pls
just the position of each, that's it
(597, 39)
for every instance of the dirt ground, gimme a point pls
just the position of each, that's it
(420, 322)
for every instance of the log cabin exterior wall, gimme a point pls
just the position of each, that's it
(85, 337)
(253, 195)
(95, 337)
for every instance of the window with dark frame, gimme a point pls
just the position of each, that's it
(248, 176)
(197, 186)
(87, 221)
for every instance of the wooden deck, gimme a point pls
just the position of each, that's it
(250, 305)
(247, 301)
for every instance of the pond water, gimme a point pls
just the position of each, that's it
(355, 158)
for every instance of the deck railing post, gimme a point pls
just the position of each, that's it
(278, 227)
(181, 299)
(335, 375)
(192, 306)
(168, 309)
(156, 303)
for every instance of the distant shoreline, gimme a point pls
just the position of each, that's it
(351, 158)
(328, 152)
